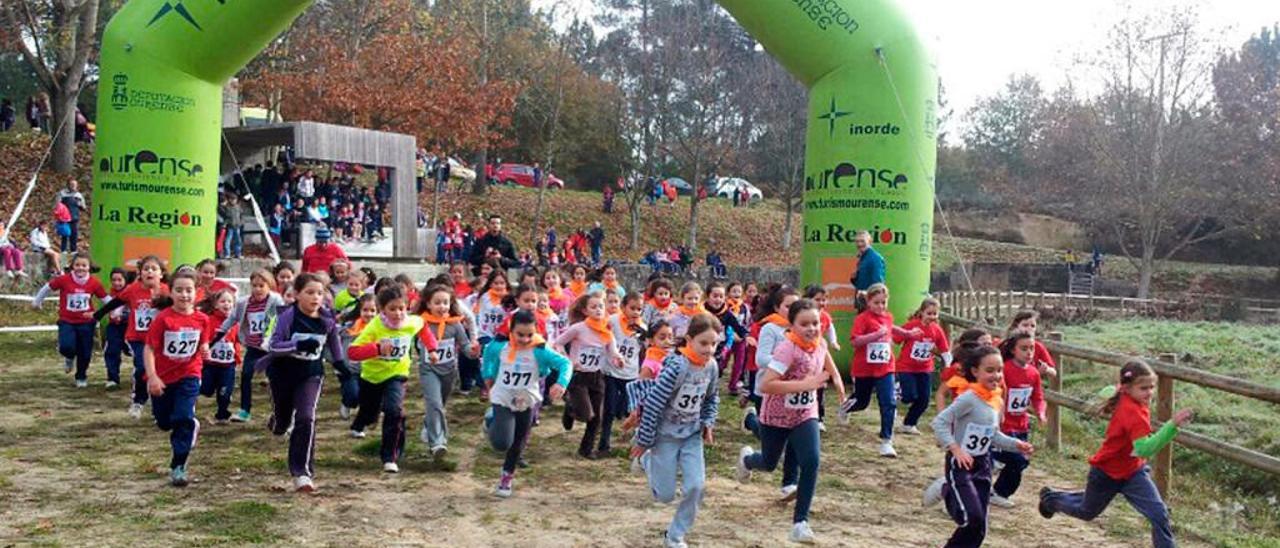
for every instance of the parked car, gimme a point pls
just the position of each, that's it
(458, 170)
(727, 186)
(520, 174)
(682, 186)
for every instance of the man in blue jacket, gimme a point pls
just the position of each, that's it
(870, 267)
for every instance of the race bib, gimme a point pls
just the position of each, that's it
(630, 349)
(490, 320)
(308, 356)
(257, 323)
(222, 352)
(78, 302)
(590, 358)
(922, 351)
(879, 352)
(518, 374)
(801, 400)
(688, 400)
(181, 345)
(445, 352)
(1019, 400)
(399, 348)
(142, 318)
(977, 439)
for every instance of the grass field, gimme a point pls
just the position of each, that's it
(75, 470)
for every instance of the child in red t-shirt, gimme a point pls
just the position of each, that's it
(136, 297)
(76, 289)
(115, 344)
(1026, 321)
(914, 367)
(1024, 394)
(218, 378)
(873, 336)
(177, 341)
(1119, 466)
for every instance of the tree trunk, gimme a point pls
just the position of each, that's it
(537, 213)
(635, 224)
(1146, 268)
(786, 227)
(63, 105)
(481, 184)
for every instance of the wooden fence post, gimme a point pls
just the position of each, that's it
(1053, 412)
(1164, 413)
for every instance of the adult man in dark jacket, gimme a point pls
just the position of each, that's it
(597, 241)
(493, 245)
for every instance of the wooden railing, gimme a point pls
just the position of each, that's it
(1168, 371)
(997, 305)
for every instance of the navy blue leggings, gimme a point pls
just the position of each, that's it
(805, 443)
(916, 390)
(75, 342)
(884, 389)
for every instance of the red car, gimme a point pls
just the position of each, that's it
(520, 174)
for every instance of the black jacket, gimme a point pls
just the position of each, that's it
(498, 242)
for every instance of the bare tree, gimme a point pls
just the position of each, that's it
(57, 38)
(778, 147)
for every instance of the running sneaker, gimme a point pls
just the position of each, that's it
(303, 484)
(241, 416)
(842, 414)
(822, 427)
(82, 383)
(135, 410)
(997, 500)
(669, 542)
(357, 434)
(909, 430)
(390, 468)
(1045, 511)
(743, 473)
(344, 412)
(111, 385)
(505, 485)
(801, 533)
(438, 452)
(886, 450)
(178, 476)
(789, 491)
(933, 493)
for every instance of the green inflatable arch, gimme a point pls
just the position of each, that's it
(869, 163)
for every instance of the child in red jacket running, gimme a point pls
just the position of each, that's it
(1024, 393)
(1119, 466)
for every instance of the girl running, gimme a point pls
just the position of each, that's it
(717, 304)
(339, 271)
(489, 316)
(1024, 393)
(284, 274)
(1119, 466)
(353, 323)
(177, 338)
(690, 306)
(789, 415)
(628, 330)
(383, 350)
(608, 276)
(975, 336)
(658, 304)
(137, 298)
(294, 366)
(208, 270)
(914, 367)
(76, 325)
(679, 417)
(612, 303)
(560, 299)
(819, 296)
(590, 344)
(512, 370)
(873, 336)
(738, 351)
(458, 277)
(218, 378)
(1027, 321)
(772, 319)
(252, 317)
(114, 343)
(577, 281)
(438, 367)
(968, 429)
(345, 298)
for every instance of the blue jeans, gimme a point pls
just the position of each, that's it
(115, 346)
(1101, 488)
(804, 442)
(140, 395)
(219, 382)
(917, 391)
(175, 413)
(508, 433)
(349, 385)
(75, 341)
(251, 357)
(884, 388)
(1014, 463)
(234, 242)
(667, 457)
(595, 253)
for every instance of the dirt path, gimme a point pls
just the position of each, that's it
(75, 470)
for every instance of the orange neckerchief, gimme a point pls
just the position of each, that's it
(694, 311)
(601, 328)
(543, 316)
(808, 346)
(735, 305)
(958, 384)
(609, 285)
(555, 293)
(439, 322)
(656, 353)
(578, 288)
(357, 327)
(495, 297)
(777, 319)
(657, 304)
(628, 328)
(992, 397)
(514, 348)
(693, 357)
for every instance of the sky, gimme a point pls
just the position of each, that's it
(979, 44)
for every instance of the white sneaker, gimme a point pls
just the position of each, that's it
(676, 543)
(390, 468)
(439, 451)
(886, 450)
(789, 491)
(505, 485)
(303, 484)
(743, 473)
(996, 467)
(111, 385)
(821, 428)
(801, 533)
(82, 384)
(1002, 502)
(933, 493)
(135, 410)
(357, 434)
(344, 412)
(842, 413)
(909, 430)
